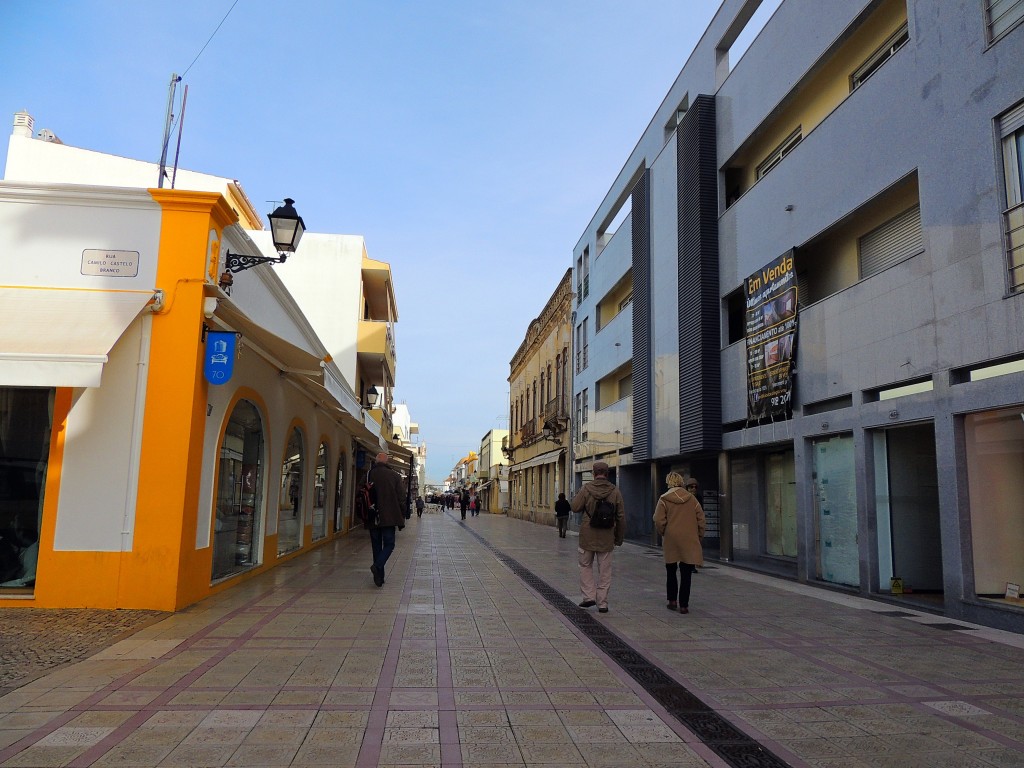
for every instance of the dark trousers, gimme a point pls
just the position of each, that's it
(563, 523)
(680, 588)
(382, 541)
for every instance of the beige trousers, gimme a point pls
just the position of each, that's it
(595, 591)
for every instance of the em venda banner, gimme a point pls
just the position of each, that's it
(771, 337)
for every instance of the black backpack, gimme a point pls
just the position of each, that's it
(366, 504)
(603, 515)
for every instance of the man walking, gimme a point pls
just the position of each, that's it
(602, 528)
(389, 489)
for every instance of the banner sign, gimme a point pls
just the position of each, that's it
(220, 357)
(771, 336)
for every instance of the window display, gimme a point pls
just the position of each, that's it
(289, 515)
(237, 527)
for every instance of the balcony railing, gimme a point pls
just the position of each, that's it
(528, 430)
(1013, 221)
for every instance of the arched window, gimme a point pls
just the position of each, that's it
(238, 526)
(289, 506)
(320, 494)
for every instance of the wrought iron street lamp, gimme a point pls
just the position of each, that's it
(372, 397)
(286, 229)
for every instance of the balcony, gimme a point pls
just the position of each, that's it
(376, 346)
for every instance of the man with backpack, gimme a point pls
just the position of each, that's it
(602, 528)
(389, 498)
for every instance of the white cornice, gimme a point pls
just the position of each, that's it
(38, 193)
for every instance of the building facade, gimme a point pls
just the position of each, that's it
(492, 472)
(539, 389)
(163, 434)
(821, 243)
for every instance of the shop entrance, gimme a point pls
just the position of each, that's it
(907, 510)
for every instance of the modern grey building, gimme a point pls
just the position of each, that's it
(806, 289)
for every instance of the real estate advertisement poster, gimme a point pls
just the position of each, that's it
(771, 337)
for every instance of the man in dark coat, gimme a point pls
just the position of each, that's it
(596, 544)
(391, 494)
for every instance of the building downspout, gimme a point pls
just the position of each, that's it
(135, 448)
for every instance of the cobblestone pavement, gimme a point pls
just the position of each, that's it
(33, 641)
(474, 653)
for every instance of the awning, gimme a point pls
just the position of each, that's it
(327, 401)
(285, 355)
(60, 337)
(545, 458)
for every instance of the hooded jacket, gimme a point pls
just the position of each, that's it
(679, 519)
(600, 539)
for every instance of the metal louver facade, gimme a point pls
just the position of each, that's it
(700, 409)
(642, 364)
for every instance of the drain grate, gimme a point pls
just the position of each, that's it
(735, 747)
(949, 627)
(897, 614)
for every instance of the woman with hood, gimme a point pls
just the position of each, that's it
(679, 519)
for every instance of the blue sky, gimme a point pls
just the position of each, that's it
(469, 142)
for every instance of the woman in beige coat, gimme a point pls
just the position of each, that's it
(680, 521)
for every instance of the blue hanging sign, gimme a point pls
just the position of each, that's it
(220, 357)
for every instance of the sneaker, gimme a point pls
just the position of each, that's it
(377, 578)
(588, 603)
(683, 609)
(603, 609)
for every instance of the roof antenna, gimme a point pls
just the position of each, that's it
(175, 79)
(181, 125)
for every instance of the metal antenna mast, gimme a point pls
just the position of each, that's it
(175, 79)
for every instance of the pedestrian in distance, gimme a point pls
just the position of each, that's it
(602, 528)
(562, 510)
(463, 503)
(679, 519)
(390, 499)
(419, 506)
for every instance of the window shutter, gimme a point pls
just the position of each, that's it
(1011, 121)
(892, 242)
(1004, 14)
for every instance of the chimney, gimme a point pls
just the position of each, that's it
(23, 124)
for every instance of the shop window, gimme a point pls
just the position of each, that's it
(835, 510)
(26, 416)
(994, 450)
(780, 522)
(237, 529)
(339, 496)
(320, 494)
(289, 515)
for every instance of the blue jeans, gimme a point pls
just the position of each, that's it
(382, 540)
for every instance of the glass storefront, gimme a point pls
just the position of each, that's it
(289, 515)
(339, 496)
(994, 446)
(26, 417)
(320, 494)
(237, 528)
(780, 507)
(835, 510)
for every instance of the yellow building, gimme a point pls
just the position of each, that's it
(163, 434)
(540, 389)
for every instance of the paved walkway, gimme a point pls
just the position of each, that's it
(474, 653)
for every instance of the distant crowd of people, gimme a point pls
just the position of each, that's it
(466, 501)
